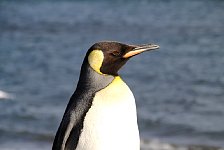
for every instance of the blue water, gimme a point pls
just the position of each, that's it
(179, 89)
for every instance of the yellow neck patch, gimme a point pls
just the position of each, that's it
(95, 60)
(117, 81)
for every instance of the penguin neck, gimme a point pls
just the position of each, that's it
(90, 80)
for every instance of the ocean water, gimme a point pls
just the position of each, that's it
(179, 89)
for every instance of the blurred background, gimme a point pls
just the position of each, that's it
(179, 89)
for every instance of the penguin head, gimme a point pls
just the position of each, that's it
(108, 57)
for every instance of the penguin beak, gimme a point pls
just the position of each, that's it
(139, 49)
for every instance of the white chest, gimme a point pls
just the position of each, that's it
(111, 122)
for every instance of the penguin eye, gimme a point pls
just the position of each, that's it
(116, 53)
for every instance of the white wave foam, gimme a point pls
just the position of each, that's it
(158, 145)
(5, 95)
(155, 144)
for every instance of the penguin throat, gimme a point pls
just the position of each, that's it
(95, 60)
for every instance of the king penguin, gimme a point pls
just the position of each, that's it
(101, 113)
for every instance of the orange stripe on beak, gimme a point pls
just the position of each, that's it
(139, 49)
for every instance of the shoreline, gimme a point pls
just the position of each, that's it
(146, 144)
